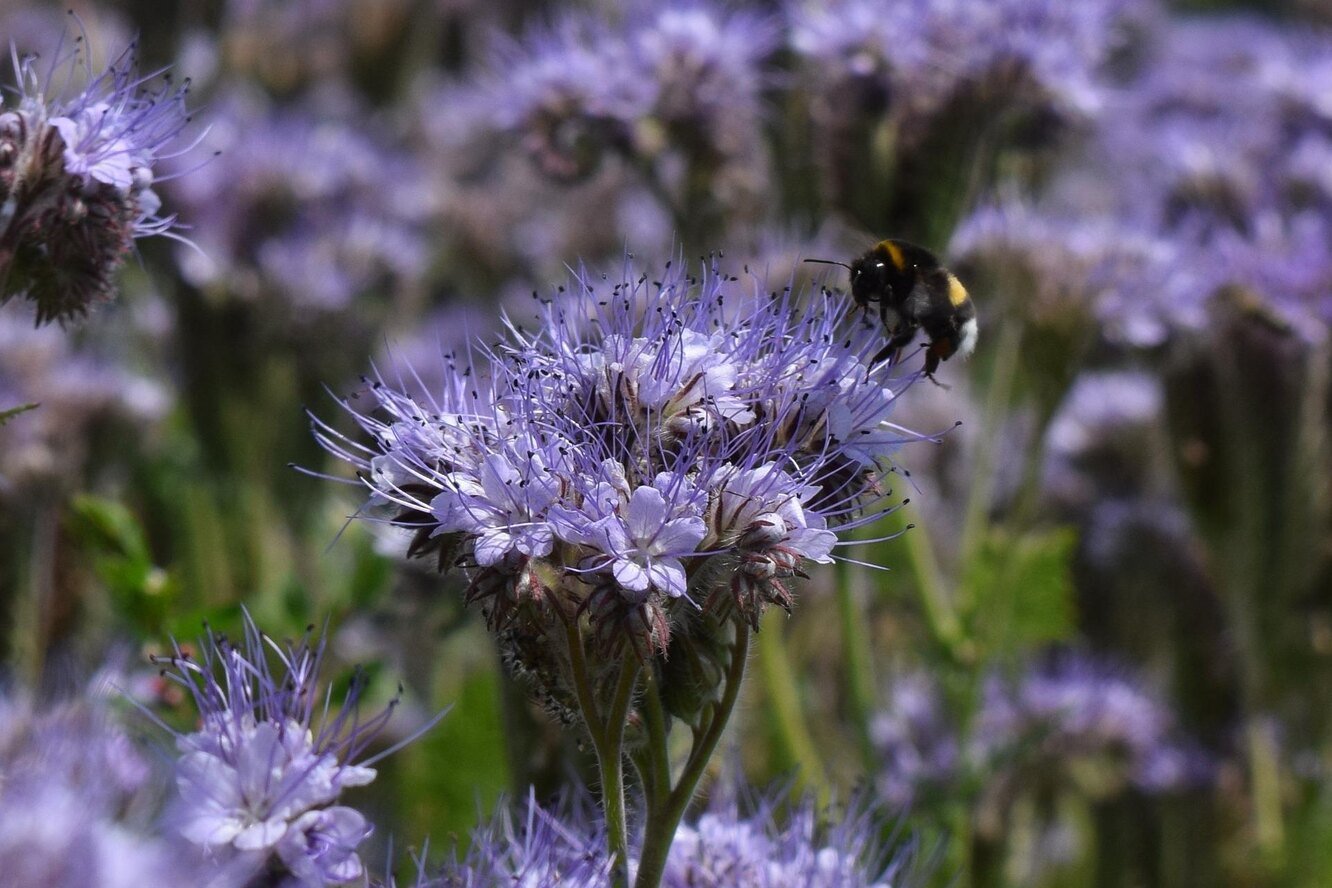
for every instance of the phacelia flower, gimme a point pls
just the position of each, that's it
(673, 91)
(77, 800)
(302, 209)
(76, 179)
(1079, 717)
(263, 773)
(771, 846)
(649, 427)
(916, 742)
(726, 846)
(77, 389)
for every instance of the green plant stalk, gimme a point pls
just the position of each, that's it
(610, 765)
(780, 682)
(858, 659)
(664, 820)
(997, 397)
(655, 757)
(940, 609)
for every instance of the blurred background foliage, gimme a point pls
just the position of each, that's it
(1102, 653)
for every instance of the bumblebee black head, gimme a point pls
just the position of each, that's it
(888, 271)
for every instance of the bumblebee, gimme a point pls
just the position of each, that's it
(913, 292)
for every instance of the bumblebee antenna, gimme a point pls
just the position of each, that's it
(829, 262)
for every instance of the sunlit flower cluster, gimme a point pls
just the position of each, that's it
(649, 427)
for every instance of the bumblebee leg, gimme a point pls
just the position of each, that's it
(886, 351)
(939, 350)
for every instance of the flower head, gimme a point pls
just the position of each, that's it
(302, 210)
(77, 800)
(649, 426)
(270, 759)
(76, 177)
(768, 844)
(1074, 713)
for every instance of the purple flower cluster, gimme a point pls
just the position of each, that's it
(1073, 713)
(77, 390)
(262, 774)
(1071, 718)
(920, 54)
(76, 177)
(77, 800)
(302, 210)
(916, 742)
(725, 846)
(1206, 176)
(655, 442)
(674, 91)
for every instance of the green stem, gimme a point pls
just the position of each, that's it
(662, 822)
(782, 687)
(859, 660)
(983, 476)
(587, 702)
(657, 780)
(610, 764)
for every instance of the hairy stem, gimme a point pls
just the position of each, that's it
(610, 764)
(663, 820)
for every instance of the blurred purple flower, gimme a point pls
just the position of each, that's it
(78, 391)
(917, 744)
(774, 846)
(78, 800)
(76, 177)
(1105, 440)
(532, 846)
(303, 210)
(1072, 711)
(919, 53)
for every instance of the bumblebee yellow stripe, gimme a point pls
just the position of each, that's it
(894, 254)
(957, 294)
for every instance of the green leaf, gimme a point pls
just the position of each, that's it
(1021, 589)
(141, 591)
(10, 413)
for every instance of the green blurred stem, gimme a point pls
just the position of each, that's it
(858, 657)
(662, 821)
(1265, 774)
(997, 397)
(940, 608)
(783, 690)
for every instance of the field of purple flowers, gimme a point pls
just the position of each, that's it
(427, 458)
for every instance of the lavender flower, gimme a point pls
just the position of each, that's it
(726, 847)
(302, 212)
(919, 54)
(1073, 716)
(644, 431)
(767, 848)
(264, 771)
(917, 745)
(77, 390)
(76, 177)
(1105, 439)
(78, 799)
(673, 91)
(1202, 178)
(531, 847)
